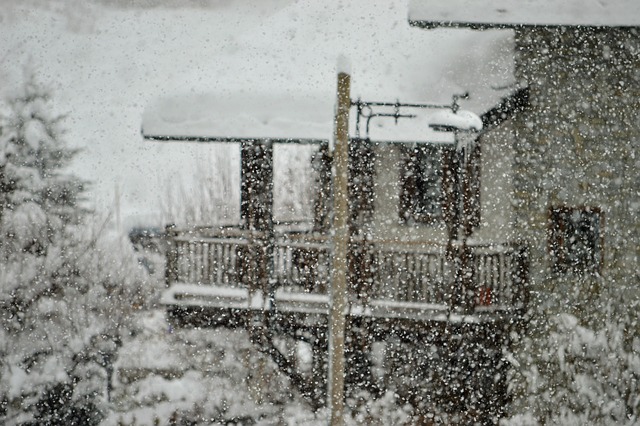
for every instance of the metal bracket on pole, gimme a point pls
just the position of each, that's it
(367, 110)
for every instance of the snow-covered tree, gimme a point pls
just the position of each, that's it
(37, 199)
(65, 290)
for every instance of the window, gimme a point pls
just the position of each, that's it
(422, 197)
(575, 239)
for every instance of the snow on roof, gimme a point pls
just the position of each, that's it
(463, 120)
(514, 13)
(245, 116)
(294, 53)
(281, 118)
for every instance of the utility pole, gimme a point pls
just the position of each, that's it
(338, 301)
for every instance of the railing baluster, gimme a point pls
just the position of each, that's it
(282, 266)
(206, 257)
(277, 274)
(430, 282)
(227, 263)
(213, 263)
(501, 285)
(423, 278)
(201, 247)
(228, 255)
(185, 262)
(285, 253)
(498, 287)
(195, 261)
(190, 262)
(508, 275)
(508, 283)
(205, 264)
(290, 273)
(411, 269)
(224, 258)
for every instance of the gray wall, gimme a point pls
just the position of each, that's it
(577, 146)
(496, 211)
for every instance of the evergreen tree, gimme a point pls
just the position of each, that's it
(66, 294)
(37, 199)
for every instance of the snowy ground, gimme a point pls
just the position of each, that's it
(216, 376)
(205, 376)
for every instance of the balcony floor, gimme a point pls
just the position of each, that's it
(236, 301)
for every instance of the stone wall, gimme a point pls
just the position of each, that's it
(577, 146)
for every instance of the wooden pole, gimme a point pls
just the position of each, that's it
(340, 246)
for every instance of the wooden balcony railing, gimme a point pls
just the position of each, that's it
(300, 263)
(409, 274)
(211, 261)
(500, 274)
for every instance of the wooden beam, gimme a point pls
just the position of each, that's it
(222, 139)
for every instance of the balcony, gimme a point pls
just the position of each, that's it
(231, 268)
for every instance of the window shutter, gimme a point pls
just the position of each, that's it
(321, 163)
(450, 188)
(256, 186)
(472, 207)
(575, 239)
(424, 174)
(361, 177)
(409, 183)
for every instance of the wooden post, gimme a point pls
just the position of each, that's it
(322, 166)
(451, 186)
(361, 195)
(256, 211)
(319, 368)
(171, 266)
(338, 293)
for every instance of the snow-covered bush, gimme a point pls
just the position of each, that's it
(66, 291)
(192, 376)
(575, 371)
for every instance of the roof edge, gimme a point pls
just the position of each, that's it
(509, 107)
(481, 26)
(223, 139)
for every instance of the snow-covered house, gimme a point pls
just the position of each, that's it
(406, 193)
(447, 230)
(432, 252)
(572, 152)
(407, 208)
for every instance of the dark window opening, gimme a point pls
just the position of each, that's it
(575, 239)
(423, 193)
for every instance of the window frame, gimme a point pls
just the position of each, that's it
(564, 261)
